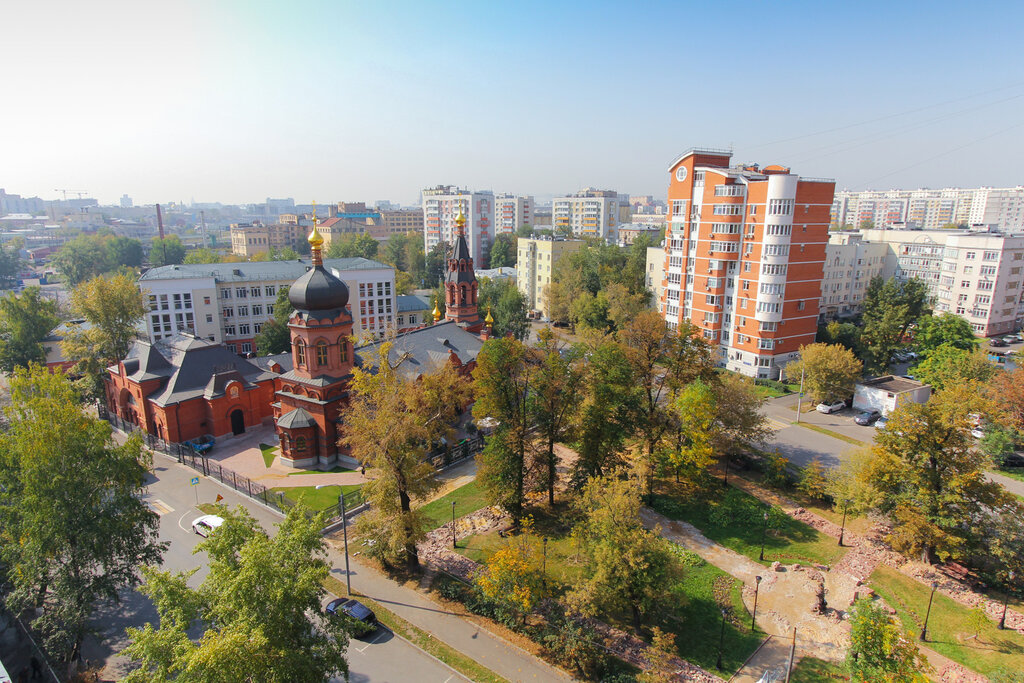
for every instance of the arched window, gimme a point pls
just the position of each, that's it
(321, 354)
(300, 443)
(343, 349)
(462, 291)
(300, 353)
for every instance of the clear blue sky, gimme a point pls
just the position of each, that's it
(237, 101)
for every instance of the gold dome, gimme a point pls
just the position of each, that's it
(489, 320)
(315, 239)
(436, 313)
(460, 220)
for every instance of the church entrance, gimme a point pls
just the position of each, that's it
(237, 422)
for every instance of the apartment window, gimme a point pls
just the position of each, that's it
(766, 343)
(225, 293)
(254, 292)
(711, 317)
(768, 288)
(768, 307)
(186, 300)
(270, 290)
(728, 210)
(970, 255)
(163, 303)
(244, 329)
(698, 177)
(177, 301)
(987, 270)
(746, 267)
(152, 302)
(726, 228)
(965, 283)
(229, 312)
(775, 250)
(679, 208)
(764, 362)
(243, 311)
(728, 190)
(991, 256)
(241, 292)
(229, 330)
(780, 207)
(778, 229)
(753, 209)
(774, 269)
(246, 347)
(799, 305)
(968, 270)
(985, 285)
(769, 327)
(206, 300)
(982, 299)
(713, 299)
(257, 310)
(209, 317)
(727, 247)
(256, 327)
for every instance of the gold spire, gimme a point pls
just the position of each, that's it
(316, 241)
(460, 222)
(436, 313)
(489, 320)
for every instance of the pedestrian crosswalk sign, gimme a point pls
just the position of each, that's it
(195, 481)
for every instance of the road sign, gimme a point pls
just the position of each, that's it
(195, 481)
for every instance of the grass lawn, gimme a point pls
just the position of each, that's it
(814, 670)
(468, 498)
(208, 508)
(1013, 473)
(314, 498)
(420, 638)
(334, 470)
(269, 452)
(858, 525)
(834, 435)
(735, 520)
(949, 630)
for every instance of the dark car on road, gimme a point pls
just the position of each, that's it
(867, 417)
(352, 609)
(997, 343)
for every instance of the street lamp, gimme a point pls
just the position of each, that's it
(764, 533)
(344, 531)
(721, 642)
(1002, 620)
(454, 543)
(842, 530)
(924, 629)
(757, 586)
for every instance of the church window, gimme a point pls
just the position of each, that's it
(300, 443)
(343, 348)
(321, 354)
(300, 353)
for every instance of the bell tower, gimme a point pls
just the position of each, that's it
(460, 283)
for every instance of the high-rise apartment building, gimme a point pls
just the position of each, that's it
(931, 209)
(850, 264)
(512, 212)
(588, 213)
(534, 264)
(443, 204)
(744, 257)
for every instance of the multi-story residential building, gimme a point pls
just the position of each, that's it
(588, 213)
(850, 263)
(230, 302)
(443, 204)
(655, 273)
(628, 232)
(512, 212)
(401, 221)
(535, 263)
(249, 239)
(744, 258)
(931, 209)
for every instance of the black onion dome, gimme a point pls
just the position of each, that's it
(318, 290)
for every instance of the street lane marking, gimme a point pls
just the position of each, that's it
(381, 630)
(160, 507)
(778, 425)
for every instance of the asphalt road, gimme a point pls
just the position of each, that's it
(381, 657)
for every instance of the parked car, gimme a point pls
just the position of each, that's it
(352, 609)
(206, 524)
(1012, 339)
(881, 422)
(997, 343)
(867, 417)
(829, 408)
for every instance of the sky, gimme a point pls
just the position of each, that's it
(359, 101)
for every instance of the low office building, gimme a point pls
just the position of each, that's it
(249, 239)
(887, 393)
(535, 262)
(413, 312)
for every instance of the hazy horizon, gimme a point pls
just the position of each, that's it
(233, 102)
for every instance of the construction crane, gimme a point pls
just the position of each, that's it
(80, 193)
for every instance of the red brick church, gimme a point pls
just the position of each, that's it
(183, 387)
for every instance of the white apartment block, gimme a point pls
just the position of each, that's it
(229, 302)
(850, 263)
(931, 209)
(512, 212)
(976, 275)
(588, 213)
(535, 263)
(442, 205)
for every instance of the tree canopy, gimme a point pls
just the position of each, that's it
(829, 371)
(890, 307)
(350, 246)
(87, 256)
(274, 336)
(25, 320)
(10, 265)
(507, 305)
(947, 366)
(503, 251)
(167, 251)
(944, 330)
(880, 650)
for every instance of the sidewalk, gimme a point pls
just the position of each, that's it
(497, 654)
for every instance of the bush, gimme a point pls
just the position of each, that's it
(773, 384)
(814, 481)
(569, 643)
(776, 470)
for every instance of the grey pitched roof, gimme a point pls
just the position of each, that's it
(191, 367)
(296, 419)
(285, 360)
(424, 350)
(460, 253)
(413, 302)
(259, 270)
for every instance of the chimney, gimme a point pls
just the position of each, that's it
(159, 221)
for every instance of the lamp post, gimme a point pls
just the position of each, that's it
(842, 530)
(721, 642)
(544, 568)
(454, 543)
(764, 533)
(344, 531)
(1006, 602)
(757, 587)
(924, 630)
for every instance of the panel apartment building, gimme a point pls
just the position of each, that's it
(535, 262)
(442, 205)
(512, 212)
(744, 258)
(229, 302)
(588, 213)
(931, 209)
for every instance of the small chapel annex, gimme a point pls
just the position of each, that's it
(183, 387)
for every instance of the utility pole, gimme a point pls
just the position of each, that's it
(344, 531)
(800, 397)
(792, 654)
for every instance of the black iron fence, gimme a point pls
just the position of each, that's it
(186, 455)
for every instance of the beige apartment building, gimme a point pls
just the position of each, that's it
(850, 263)
(588, 213)
(249, 239)
(536, 260)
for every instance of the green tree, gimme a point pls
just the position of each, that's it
(889, 308)
(524, 230)
(925, 473)
(623, 305)
(503, 384)
(391, 423)
(998, 443)
(557, 388)
(73, 526)
(944, 330)
(351, 246)
(696, 410)
(740, 424)
(167, 251)
(258, 609)
(508, 307)
(113, 305)
(10, 265)
(1006, 391)
(434, 263)
(590, 311)
(417, 260)
(630, 568)
(606, 417)
(829, 371)
(948, 366)
(503, 251)
(25, 320)
(880, 651)
(274, 336)
(845, 334)
(202, 255)
(81, 259)
(396, 251)
(123, 251)
(510, 578)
